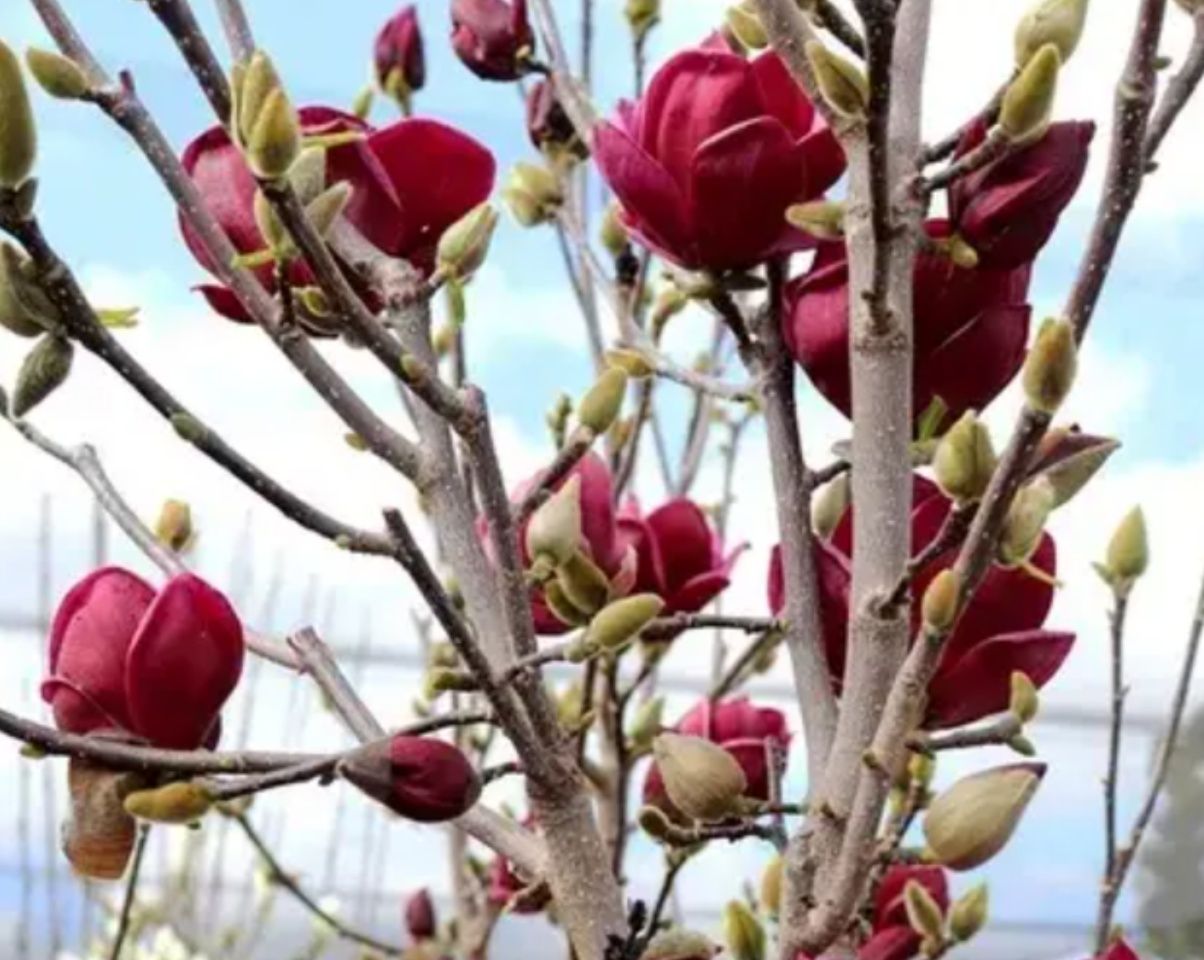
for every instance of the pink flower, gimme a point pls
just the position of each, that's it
(1007, 210)
(706, 163)
(681, 558)
(743, 730)
(1001, 631)
(893, 938)
(419, 778)
(399, 48)
(599, 534)
(1118, 950)
(971, 326)
(420, 920)
(158, 666)
(489, 35)
(410, 182)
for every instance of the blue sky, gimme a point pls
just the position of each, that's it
(115, 225)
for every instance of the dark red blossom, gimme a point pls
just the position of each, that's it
(154, 665)
(419, 778)
(420, 920)
(491, 36)
(410, 181)
(680, 555)
(398, 52)
(706, 163)
(971, 326)
(743, 730)
(1001, 630)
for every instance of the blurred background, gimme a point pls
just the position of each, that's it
(113, 223)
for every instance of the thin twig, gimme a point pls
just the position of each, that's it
(1001, 731)
(1116, 724)
(131, 892)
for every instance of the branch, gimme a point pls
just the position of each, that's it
(131, 892)
(1111, 778)
(832, 20)
(576, 104)
(999, 732)
(1178, 92)
(996, 145)
(237, 28)
(568, 456)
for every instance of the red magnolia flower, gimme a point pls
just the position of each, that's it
(971, 326)
(157, 666)
(680, 555)
(892, 937)
(742, 730)
(1007, 210)
(420, 920)
(489, 35)
(399, 48)
(397, 203)
(419, 778)
(1119, 950)
(599, 533)
(999, 632)
(706, 163)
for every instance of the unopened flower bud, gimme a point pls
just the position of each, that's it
(183, 802)
(677, 943)
(822, 219)
(562, 608)
(652, 821)
(632, 362)
(570, 705)
(829, 506)
(921, 768)
(420, 919)
(584, 585)
(1024, 701)
(1051, 365)
(1073, 459)
(326, 208)
(642, 16)
(702, 779)
(621, 621)
(43, 371)
(57, 75)
(771, 886)
(465, 244)
(746, 27)
(442, 654)
(923, 912)
(420, 778)
(554, 530)
(173, 528)
(275, 140)
(959, 252)
(1023, 745)
(973, 820)
(441, 680)
(361, 106)
(1027, 104)
(941, 601)
(1059, 22)
(743, 933)
(24, 307)
(612, 233)
(1128, 553)
(968, 914)
(18, 132)
(251, 85)
(603, 401)
(964, 460)
(841, 83)
(532, 193)
(1025, 523)
(648, 722)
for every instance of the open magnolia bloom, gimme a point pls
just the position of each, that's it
(706, 163)
(394, 201)
(1000, 631)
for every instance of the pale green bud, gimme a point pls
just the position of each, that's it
(583, 584)
(1059, 22)
(275, 140)
(252, 84)
(173, 528)
(771, 886)
(1025, 523)
(822, 219)
(465, 244)
(56, 74)
(24, 307)
(968, 914)
(621, 621)
(974, 819)
(1128, 554)
(18, 131)
(612, 232)
(532, 193)
(746, 27)
(743, 933)
(1024, 701)
(43, 371)
(964, 460)
(1050, 368)
(841, 83)
(642, 16)
(923, 912)
(634, 363)
(1028, 103)
(554, 530)
(702, 779)
(602, 402)
(647, 722)
(941, 599)
(175, 803)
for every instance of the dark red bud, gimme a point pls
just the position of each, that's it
(490, 36)
(419, 778)
(420, 918)
(399, 47)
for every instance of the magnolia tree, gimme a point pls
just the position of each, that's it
(775, 175)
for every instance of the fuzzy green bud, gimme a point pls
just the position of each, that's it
(175, 803)
(1069, 474)
(612, 233)
(822, 219)
(583, 583)
(771, 886)
(275, 140)
(562, 608)
(43, 371)
(828, 506)
(18, 132)
(632, 362)
(532, 193)
(1059, 22)
(361, 106)
(1025, 523)
(1128, 554)
(1024, 701)
(24, 307)
(554, 530)
(923, 912)
(968, 914)
(652, 821)
(746, 26)
(647, 722)
(1028, 103)
(964, 460)
(702, 779)
(251, 85)
(465, 244)
(973, 820)
(57, 75)
(602, 402)
(1051, 366)
(642, 16)
(621, 621)
(742, 932)
(326, 208)
(173, 528)
(841, 83)
(941, 599)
